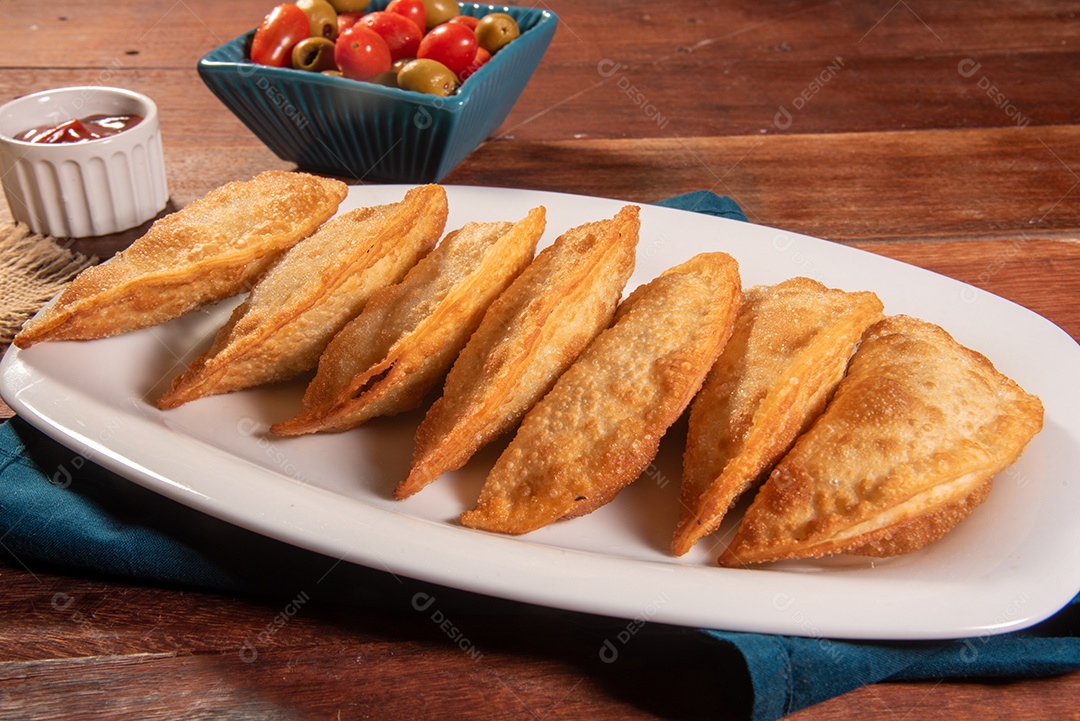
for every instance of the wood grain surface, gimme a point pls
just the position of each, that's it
(944, 135)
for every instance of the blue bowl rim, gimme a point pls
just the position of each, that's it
(453, 102)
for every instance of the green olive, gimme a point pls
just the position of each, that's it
(315, 54)
(321, 16)
(439, 11)
(495, 30)
(427, 76)
(389, 79)
(349, 6)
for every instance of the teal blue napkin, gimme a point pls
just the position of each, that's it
(58, 509)
(702, 201)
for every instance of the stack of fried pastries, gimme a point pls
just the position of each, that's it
(385, 360)
(905, 450)
(860, 433)
(311, 293)
(213, 249)
(531, 334)
(789, 350)
(601, 424)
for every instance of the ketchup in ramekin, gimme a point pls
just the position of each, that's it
(78, 130)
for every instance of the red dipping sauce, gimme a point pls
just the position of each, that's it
(91, 127)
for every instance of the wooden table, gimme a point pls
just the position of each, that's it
(944, 135)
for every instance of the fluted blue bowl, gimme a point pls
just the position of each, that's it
(368, 131)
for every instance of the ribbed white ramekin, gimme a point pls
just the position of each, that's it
(94, 187)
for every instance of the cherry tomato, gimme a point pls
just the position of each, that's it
(412, 9)
(482, 56)
(468, 21)
(452, 45)
(361, 53)
(400, 34)
(346, 21)
(280, 31)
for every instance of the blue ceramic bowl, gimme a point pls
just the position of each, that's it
(370, 132)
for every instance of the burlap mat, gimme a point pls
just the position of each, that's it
(33, 269)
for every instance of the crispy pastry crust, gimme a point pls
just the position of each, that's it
(789, 349)
(528, 337)
(905, 450)
(399, 348)
(321, 284)
(601, 424)
(212, 249)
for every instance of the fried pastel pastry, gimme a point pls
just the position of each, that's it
(309, 295)
(905, 450)
(212, 249)
(529, 336)
(789, 349)
(601, 424)
(400, 347)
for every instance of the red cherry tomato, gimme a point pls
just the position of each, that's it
(281, 29)
(467, 20)
(400, 34)
(452, 45)
(482, 56)
(361, 53)
(347, 20)
(412, 9)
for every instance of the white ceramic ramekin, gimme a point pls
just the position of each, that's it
(94, 187)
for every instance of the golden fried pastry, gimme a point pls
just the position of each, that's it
(905, 450)
(399, 348)
(601, 424)
(212, 249)
(789, 349)
(530, 335)
(321, 284)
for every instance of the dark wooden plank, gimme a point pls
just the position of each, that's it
(988, 701)
(72, 34)
(976, 183)
(126, 35)
(732, 94)
(80, 648)
(1043, 275)
(343, 681)
(979, 183)
(121, 650)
